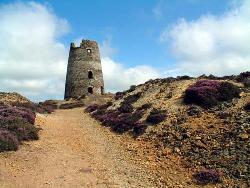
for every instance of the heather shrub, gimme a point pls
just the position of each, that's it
(203, 93)
(207, 177)
(243, 76)
(8, 141)
(20, 127)
(208, 93)
(98, 114)
(139, 128)
(185, 77)
(28, 105)
(132, 88)
(156, 116)
(106, 105)
(145, 106)
(228, 91)
(126, 121)
(119, 95)
(71, 105)
(132, 98)
(46, 109)
(91, 108)
(25, 113)
(110, 118)
(125, 108)
(246, 82)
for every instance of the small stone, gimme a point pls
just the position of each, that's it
(197, 138)
(166, 151)
(244, 136)
(177, 150)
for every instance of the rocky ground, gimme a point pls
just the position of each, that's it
(217, 138)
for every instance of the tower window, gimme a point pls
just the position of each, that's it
(90, 90)
(102, 90)
(89, 51)
(90, 75)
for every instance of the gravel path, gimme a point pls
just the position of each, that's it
(73, 151)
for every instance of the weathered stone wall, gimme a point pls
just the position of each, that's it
(82, 61)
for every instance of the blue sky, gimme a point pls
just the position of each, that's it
(133, 26)
(139, 39)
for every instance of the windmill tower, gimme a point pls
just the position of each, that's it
(84, 72)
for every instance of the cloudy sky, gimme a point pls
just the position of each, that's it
(139, 40)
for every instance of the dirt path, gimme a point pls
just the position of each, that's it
(73, 151)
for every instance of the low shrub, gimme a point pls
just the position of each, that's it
(126, 121)
(119, 95)
(20, 127)
(22, 112)
(207, 177)
(121, 120)
(246, 82)
(45, 109)
(228, 91)
(125, 108)
(145, 106)
(110, 118)
(8, 141)
(156, 116)
(203, 93)
(132, 98)
(139, 128)
(208, 93)
(243, 76)
(132, 88)
(185, 77)
(106, 105)
(71, 105)
(91, 108)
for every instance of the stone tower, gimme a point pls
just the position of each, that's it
(84, 72)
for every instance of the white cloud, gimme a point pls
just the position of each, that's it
(212, 44)
(117, 77)
(32, 60)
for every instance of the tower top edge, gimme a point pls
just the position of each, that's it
(84, 43)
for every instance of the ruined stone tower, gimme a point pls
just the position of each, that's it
(84, 72)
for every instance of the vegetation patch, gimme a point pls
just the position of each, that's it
(132, 98)
(145, 106)
(8, 141)
(208, 93)
(16, 125)
(207, 176)
(156, 116)
(125, 108)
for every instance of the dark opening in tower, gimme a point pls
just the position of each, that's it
(89, 51)
(102, 90)
(90, 90)
(90, 75)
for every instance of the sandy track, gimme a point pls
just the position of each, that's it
(73, 151)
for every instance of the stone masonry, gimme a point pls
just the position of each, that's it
(84, 72)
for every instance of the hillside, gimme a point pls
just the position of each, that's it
(211, 143)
